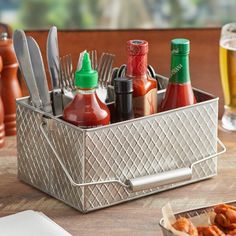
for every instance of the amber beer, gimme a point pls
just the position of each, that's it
(228, 73)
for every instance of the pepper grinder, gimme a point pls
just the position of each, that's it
(2, 130)
(9, 85)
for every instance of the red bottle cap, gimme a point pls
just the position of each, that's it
(137, 47)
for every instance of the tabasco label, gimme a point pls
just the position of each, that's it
(145, 105)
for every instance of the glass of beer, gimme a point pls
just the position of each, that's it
(228, 74)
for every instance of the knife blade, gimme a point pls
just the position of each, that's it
(54, 70)
(53, 56)
(39, 73)
(23, 57)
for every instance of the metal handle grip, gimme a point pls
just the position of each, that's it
(151, 181)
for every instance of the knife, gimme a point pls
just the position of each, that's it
(39, 73)
(23, 57)
(54, 70)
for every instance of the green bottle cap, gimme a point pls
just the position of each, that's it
(180, 46)
(86, 77)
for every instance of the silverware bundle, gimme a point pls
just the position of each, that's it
(61, 72)
(31, 65)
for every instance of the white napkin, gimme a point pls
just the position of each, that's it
(30, 223)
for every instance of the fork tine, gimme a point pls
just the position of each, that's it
(66, 71)
(100, 67)
(71, 72)
(91, 55)
(110, 69)
(107, 68)
(68, 68)
(104, 63)
(62, 74)
(95, 59)
(69, 64)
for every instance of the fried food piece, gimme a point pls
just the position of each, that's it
(184, 225)
(231, 233)
(210, 231)
(225, 217)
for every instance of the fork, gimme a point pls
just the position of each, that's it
(105, 69)
(104, 75)
(67, 75)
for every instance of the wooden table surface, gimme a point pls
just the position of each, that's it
(139, 217)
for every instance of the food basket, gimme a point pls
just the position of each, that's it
(90, 169)
(189, 214)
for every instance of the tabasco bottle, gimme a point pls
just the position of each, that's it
(179, 91)
(144, 87)
(86, 110)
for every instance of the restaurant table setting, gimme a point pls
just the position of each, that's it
(84, 158)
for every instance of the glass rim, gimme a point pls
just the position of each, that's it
(229, 28)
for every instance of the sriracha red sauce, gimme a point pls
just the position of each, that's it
(179, 91)
(86, 110)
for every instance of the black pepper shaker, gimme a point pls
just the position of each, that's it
(123, 99)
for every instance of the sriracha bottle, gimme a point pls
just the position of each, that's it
(179, 91)
(86, 110)
(144, 87)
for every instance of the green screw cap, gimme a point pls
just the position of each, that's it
(180, 46)
(86, 78)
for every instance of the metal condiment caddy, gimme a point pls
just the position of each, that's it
(95, 168)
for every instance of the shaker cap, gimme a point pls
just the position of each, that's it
(123, 85)
(137, 47)
(180, 46)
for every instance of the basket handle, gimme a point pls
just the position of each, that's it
(140, 183)
(156, 180)
(168, 177)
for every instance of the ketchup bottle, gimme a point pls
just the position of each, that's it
(144, 87)
(179, 91)
(2, 130)
(9, 85)
(86, 110)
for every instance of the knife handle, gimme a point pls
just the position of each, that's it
(57, 102)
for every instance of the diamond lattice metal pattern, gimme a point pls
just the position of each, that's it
(130, 149)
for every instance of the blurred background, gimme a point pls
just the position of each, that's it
(113, 14)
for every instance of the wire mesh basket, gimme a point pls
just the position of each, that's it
(90, 169)
(189, 214)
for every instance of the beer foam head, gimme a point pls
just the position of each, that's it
(228, 44)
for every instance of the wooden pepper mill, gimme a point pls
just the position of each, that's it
(9, 85)
(2, 130)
